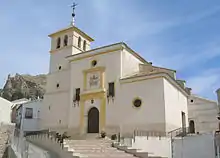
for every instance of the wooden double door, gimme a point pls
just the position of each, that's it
(93, 120)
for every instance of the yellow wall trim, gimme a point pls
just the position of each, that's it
(103, 114)
(92, 95)
(82, 109)
(95, 54)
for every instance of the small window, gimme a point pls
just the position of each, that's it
(58, 85)
(79, 42)
(111, 90)
(65, 41)
(77, 94)
(49, 107)
(29, 113)
(84, 45)
(59, 121)
(191, 101)
(58, 43)
(137, 103)
(60, 67)
(94, 63)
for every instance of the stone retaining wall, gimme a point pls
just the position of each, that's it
(5, 132)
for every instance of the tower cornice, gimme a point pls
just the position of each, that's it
(72, 28)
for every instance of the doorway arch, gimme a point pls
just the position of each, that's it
(93, 120)
(191, 126)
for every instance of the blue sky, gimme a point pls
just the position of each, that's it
(181, 35)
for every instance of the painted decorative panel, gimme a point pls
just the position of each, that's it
(94, 80)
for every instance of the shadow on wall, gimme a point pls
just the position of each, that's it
(9, 153)
(5, 155)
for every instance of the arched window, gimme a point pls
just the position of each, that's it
(84, 45)
(58, 42)
(191, 126)
(65, 41)
(79, 42)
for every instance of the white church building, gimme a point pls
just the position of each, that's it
(203, 115)
(109, 88)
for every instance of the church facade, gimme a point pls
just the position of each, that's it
(110, 88)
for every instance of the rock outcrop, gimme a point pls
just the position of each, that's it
(24, 86)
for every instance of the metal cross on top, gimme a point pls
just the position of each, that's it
(74, 7)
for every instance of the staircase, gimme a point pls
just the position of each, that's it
(101, 148)
(94, 149)
(88, 145)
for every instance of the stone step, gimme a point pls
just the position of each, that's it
(97, 148)
(89, 142)
(106, 144)
(103, 144)
(87, 146)
(107, 155)
(98, 151)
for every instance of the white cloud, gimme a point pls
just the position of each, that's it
(186, 57)
(128, 22)
(206, 83)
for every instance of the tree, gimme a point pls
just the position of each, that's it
(17, 95)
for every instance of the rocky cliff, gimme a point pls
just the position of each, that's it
(24, 86)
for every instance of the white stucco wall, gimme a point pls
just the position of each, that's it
(56, 100)
(34, 123)
(62, 78)
(158, 146)
(55, 110)
(150, 116)
(197, 146)
(36, 152)
(59, 59)
(204, 114)
(175, 103)
(130, 64)
(5, 111)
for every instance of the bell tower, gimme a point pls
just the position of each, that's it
(68, 41)
(65, 42)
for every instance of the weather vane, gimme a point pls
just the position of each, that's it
(73, 13)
